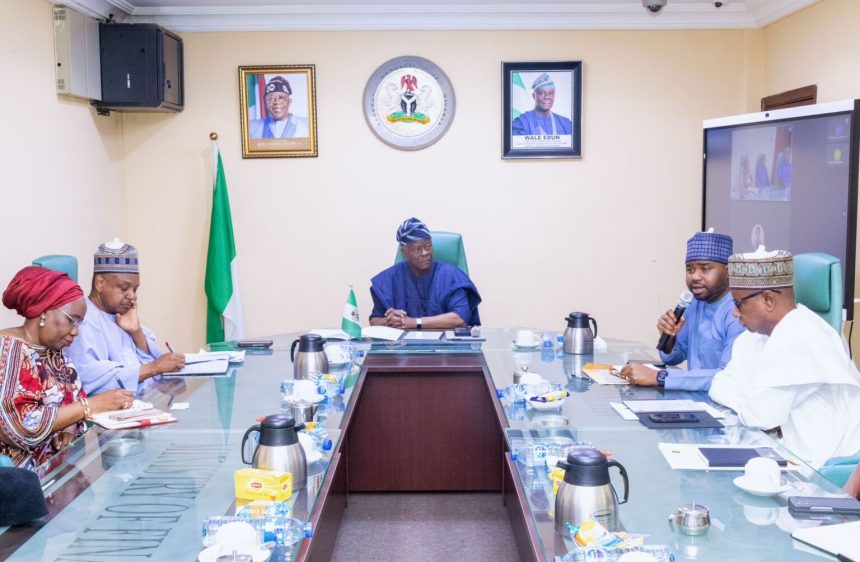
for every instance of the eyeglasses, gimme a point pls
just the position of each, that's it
(741, 301)
(74, 321)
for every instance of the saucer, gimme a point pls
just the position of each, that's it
(525, 347)
(546, 406)
(741, 482)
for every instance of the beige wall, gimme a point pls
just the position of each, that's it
(62, 187)
(818, 45)
(605, 234)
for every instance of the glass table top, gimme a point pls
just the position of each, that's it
(174, 477)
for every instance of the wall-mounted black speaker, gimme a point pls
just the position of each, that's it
(141, 68)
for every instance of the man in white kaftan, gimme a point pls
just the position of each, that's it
(789, 373)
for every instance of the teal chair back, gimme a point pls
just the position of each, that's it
(66, 264)
(447, 247)
(818, 286)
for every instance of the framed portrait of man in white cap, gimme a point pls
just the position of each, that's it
(278, 111)
(542, 109)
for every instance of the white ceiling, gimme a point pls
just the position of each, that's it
(269, 15)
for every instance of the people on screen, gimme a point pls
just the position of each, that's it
(704, 335)
(42, 404)
(541, 120)
(421, 292)
(279, 123)
(789, 373)
(114, 349)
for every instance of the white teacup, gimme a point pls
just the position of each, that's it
(527, 338)
(336, 354)
(304, 389)
(763, 473)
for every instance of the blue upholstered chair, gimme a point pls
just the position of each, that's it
(818, 286)
(839, 469)
(447, 247)
(66, 264)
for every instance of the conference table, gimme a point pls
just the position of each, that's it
(428, 418)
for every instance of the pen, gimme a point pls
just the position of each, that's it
(167, 343)
(119, 382)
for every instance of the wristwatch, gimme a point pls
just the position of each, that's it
(417, 323)
(661, 377)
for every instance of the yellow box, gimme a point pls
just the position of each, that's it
(256, 484)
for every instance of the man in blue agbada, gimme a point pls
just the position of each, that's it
(420, 292)
(704, 335)
(541, 120)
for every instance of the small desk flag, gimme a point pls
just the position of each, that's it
(350, 323)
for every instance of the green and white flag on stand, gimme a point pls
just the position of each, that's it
(350, 323)
(224, 320)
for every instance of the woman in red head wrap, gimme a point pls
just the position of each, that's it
(42, 404)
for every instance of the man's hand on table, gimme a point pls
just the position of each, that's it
(639, 374)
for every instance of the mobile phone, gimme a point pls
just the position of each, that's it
(805, 505)
(462, 331)
(257, 344)
(673, 417)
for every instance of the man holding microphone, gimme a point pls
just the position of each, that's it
(704, 335)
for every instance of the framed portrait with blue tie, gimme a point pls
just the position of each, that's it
(542, 109)
(278, 110)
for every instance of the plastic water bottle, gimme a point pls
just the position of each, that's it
(532, 454)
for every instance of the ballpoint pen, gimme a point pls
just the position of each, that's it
(169, 348)
(119, 382)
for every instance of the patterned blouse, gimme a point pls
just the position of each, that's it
(33, 386)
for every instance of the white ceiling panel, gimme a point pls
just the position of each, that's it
(270, 15)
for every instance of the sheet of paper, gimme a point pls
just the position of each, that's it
(833, 539)
(330, 333)
(381, 333)
(623, 411)
(602, 373)
(600, 344)
(653, 406)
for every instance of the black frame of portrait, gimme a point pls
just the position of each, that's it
(575, 69)
(282, 148)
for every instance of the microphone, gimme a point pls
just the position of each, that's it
(683, 302)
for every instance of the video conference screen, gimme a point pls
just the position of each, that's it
(782, 184)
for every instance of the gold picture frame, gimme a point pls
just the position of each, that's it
(278, 109)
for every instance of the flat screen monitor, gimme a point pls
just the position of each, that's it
(786, 179)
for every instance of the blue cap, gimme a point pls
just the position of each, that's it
(709, 246)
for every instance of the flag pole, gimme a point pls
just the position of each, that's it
(213, 136)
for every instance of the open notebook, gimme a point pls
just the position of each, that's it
(141, 414)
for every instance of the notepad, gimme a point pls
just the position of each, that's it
(140, 414)
(737, 457)
(688, 456)
(603, 373)
(419, 336)
(216, 367)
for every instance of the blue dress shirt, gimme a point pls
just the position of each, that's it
(704, 342)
